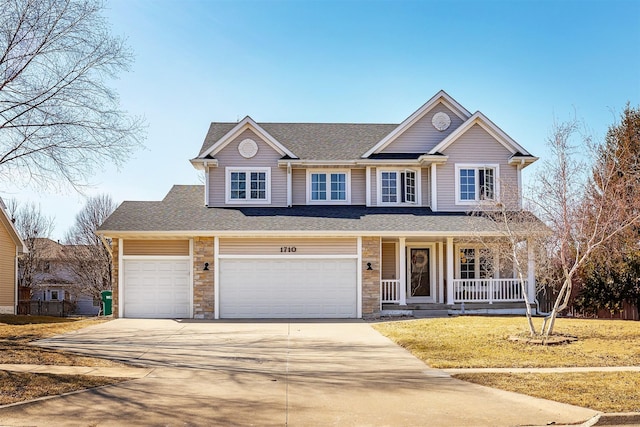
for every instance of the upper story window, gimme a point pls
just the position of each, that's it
(248, 185)
(328, 186)
(398, 186)
(476, 183)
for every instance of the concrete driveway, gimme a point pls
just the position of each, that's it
(279, 373)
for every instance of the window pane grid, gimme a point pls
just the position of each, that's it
(338, 186)
(389, 187)
(410, 186)
(238, 185)
(250, 185)
(467, 184)
(468, 263)
(318, 186)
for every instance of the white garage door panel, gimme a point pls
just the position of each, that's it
(157, 288)
(288, 288)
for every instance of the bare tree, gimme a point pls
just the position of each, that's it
(584, 213)
(33, 227)
(59, 118)
(88, 256)
(516, 235)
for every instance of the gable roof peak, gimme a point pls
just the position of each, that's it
(440, 97)
(241, 126)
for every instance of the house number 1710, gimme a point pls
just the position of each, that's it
(287, 249)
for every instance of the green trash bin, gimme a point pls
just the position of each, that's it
(107, 303)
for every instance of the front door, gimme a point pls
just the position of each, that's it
(419, 274)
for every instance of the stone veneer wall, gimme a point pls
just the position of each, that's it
(371, 278)
(115, 302)
(203, 297)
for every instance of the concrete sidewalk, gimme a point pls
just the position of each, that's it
(100, 371)
(278, 373)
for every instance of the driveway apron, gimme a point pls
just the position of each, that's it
(273, 373)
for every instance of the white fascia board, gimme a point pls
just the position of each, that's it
(442, 97)
(304, 233)
(433, 158)
(317, 163)
(244, 124)
(13, 232)
(202, 164)
(523, 160)
(493, 130)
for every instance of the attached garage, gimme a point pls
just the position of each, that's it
(157, 289)
(304, 278)
(288, 288)
(156, 279)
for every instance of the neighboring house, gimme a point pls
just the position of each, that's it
(11, 246)
(326, 220)
(55, 279)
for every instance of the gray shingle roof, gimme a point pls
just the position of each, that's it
(182, 210)
(315, 141)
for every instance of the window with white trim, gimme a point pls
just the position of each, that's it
(328, 186)
(476, 183)
(398, 187)
(475, 263)
(248, 185)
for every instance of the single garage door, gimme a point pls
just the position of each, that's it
(288, 288)
(156, 289)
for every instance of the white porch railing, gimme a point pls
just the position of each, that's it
(389, 291)
(487, 290)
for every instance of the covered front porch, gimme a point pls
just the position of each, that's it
(451, 272)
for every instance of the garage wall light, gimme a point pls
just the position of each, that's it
(206, 266)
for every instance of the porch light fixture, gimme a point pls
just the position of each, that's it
(369, 266)
(206, 266)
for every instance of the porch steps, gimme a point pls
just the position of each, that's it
(425, 314)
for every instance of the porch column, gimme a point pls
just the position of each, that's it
(440, 272)
(531, 271)
(403, 270)
(450, 270)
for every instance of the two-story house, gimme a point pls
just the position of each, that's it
(326, 220)
(56, 280)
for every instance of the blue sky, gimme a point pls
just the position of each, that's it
(522, 63)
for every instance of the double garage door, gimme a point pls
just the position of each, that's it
(288, 288)
(248, 288)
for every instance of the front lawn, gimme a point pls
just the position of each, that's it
(16, 332)
(482, 342)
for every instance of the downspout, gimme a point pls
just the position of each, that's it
(206, 184)
(289, 186)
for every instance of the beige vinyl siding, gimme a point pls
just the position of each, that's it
(425, 183)
(155, 247)
(274, 246)
(230, 157)
(358, 186)
(7, 269)
(476, 146)
(389, 270)
(299, 186)
(373, 180)
(422, 136)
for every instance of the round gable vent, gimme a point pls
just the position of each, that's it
(248, 148)
(441, 121)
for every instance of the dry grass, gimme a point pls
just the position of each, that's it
(18, 387)
(482, 342)
(16, 332)
(601, 391)
(479, 342)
